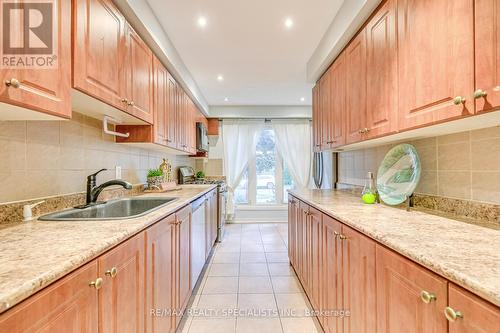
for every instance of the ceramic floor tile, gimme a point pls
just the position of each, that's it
(228, 247)
(261, 325)
(213, 326)
(226, 258)
(251, 302)
(277, 256)
(275, 247)
(255, 285)
(286, 284)
(281, 269)
(253, 269)
(220, 285)
(253, 257)
(252, 248)
(302, 325)
(215, 306)
(223, 270)
(293, 305)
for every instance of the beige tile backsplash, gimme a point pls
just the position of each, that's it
(45, 158)
(463, 165)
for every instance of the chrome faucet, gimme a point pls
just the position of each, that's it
(93, 190)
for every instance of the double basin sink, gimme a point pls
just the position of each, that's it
(123, 208)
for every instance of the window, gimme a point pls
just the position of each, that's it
(266, 179)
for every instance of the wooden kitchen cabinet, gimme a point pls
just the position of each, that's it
(358, 281)
(160, 102)
(302, 235)
(382, 72)
(173, 125)
(99, 51)
(183, 256)
(122, 298)
(337, 110)
(139, 78)
(436, 70)
(316, 118)
(324, 108)
(211, 224)
(47, 91)
(68, 306)
(314, 252)
(160, 276)
(355, 64)
(487, 44)
(474, 314)
(293, 211)
(401, 288)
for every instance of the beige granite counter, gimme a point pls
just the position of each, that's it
(35, 254)
(465, 254)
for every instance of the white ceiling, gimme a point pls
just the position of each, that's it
(262, 62)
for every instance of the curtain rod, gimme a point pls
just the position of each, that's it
(264, 119)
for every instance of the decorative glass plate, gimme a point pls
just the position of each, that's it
(398, 174)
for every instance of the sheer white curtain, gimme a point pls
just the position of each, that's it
(239, 139)
(294, 142)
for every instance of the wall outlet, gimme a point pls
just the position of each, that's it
(118, 172)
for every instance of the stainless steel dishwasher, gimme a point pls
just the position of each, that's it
(198, 239)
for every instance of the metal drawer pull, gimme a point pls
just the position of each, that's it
(480, 94)
(458, 100)
(451, 314)
(112, 272)
(97, 284)
(14, 83)
(427, 297)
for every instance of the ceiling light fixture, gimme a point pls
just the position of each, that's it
(288, 23)
(202, 21)
(226, 99)
(220, 78)
(302, 99)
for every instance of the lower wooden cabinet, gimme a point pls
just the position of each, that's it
(183, 256)
(468, 313)
(160, 276)
(292, 229)
(68, 306)
(211, 221)
(121, 299)
(314, 254)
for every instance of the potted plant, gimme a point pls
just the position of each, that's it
(155, 178)
(200, 175)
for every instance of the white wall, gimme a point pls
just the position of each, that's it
(261, 111)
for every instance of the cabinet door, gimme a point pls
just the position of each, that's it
(381, 71)
(172, 119)
(487, 46)
(336, 124)
(435, 68)
(67, 306)
(215, 215)
(302, 243)
(140, 77)
(192, 126)
(44, 90)
(160, 102)
(315, 254)
(331, 273)
(160, 276)
(183, 257)
(359, 276)
(98, 51)
(324, 110)
(121, 299)
(182, 116)
(355, 58)
(316, 109)
(478, 316)
(400, 284)
(292, 230)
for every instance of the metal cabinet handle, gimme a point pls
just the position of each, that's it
(427, 297)
(14, 83)
(480, 94)
(342, 237)
(458, 100)
(124, 100)
(451, 314)
(112, 272)
(131, 103)
(97, 284)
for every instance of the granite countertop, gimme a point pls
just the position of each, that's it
(466, 254)
(35, 254)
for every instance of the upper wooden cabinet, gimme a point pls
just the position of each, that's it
(160, 102)
(139, 64)
(355, 115)
(173, 124)
(337, 98)
(121, 300)
(45, 90)
(382, 69)
(468, 313)
(487, 44)
(99, 51)
(436, 61)
(316, 118)
(68, 306)
(324, 108)
(409, 297)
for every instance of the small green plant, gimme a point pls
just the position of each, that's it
(200, 174)
(155, 173)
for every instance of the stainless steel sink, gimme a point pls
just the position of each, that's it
(124, 208)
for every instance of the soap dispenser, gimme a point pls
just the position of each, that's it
(369, 194)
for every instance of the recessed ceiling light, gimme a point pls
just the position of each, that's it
(288, 23)
(226, 99)
(302, 99)
(220, 78)
(202, 21)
